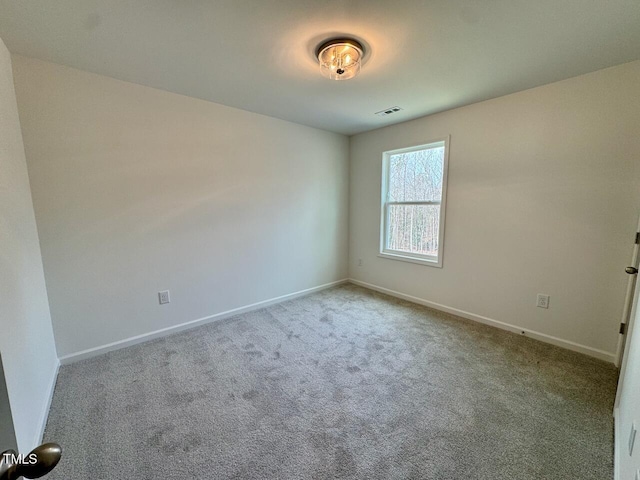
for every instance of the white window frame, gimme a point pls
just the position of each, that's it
(430, 260)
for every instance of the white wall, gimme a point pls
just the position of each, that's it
(138, 190)
(26, 337)
(628, 409)
(543, 198)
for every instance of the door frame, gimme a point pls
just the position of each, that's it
(629, 303)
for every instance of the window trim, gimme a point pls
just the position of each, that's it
(429, 260)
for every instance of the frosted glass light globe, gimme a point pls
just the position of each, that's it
(340, 59)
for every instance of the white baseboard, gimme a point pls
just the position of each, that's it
(576, 347)
(93, 352)
(44, 415)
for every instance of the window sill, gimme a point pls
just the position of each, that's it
(406, 258)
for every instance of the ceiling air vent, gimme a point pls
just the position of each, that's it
(388, 111)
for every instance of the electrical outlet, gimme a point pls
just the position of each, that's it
(543, 301)
(163, 297)
(359, 262)
(632, 438)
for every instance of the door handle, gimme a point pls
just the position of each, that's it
(40, 461)
(631, 270)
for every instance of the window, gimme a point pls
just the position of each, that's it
(414, 184)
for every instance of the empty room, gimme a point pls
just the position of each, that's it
(243, 239)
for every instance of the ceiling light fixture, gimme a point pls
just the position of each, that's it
(340, 58)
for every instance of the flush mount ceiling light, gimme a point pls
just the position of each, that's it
(340, 58)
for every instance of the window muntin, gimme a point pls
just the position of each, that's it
(413, 197)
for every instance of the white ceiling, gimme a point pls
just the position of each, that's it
(425, 56)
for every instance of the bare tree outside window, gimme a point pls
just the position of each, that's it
(413, 195)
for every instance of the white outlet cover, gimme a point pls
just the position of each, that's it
(164, 297)
(542, 301)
